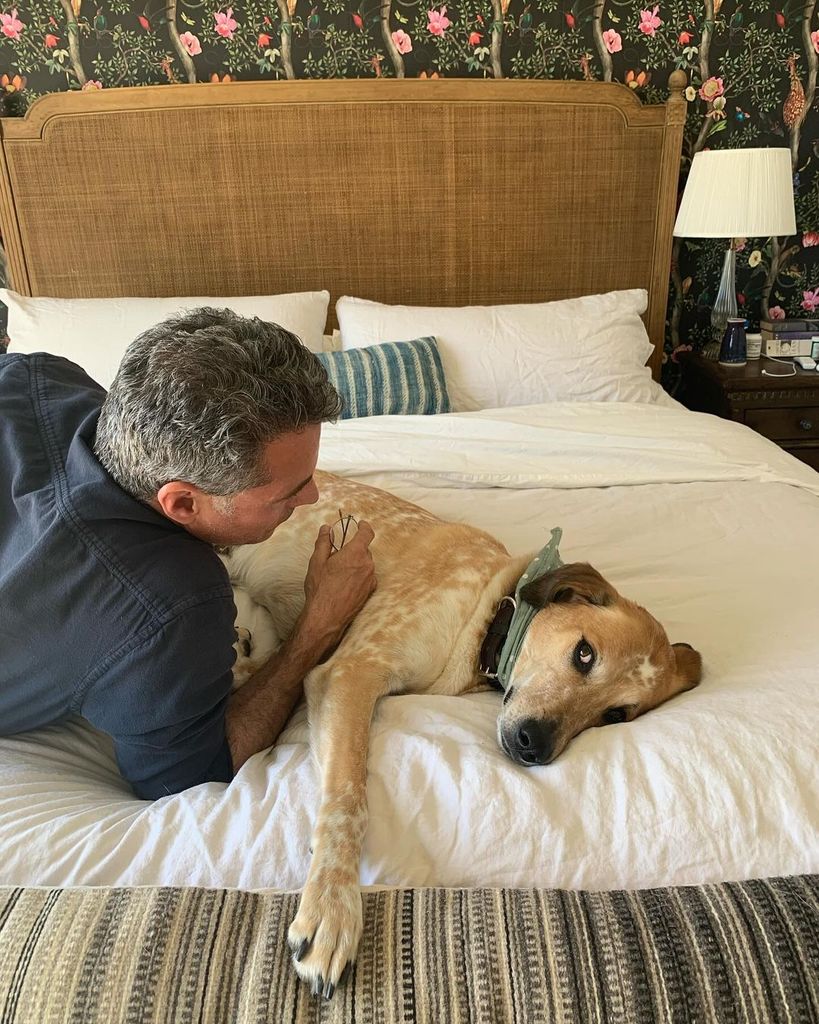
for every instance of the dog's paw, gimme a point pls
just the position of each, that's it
(244, 666)
(244, 644)
(326, 931)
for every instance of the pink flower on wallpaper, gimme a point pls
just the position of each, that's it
(810, 300)
(191, 43)
(475, 38)
(810, 238)
(10, 25)
(649, 21)
(776, 313)
(613, 41)
(677, 350)
(51, 40)
(814, 38)
(91, 84)
(402, 41)
(225, 25)
(438, 22)
(710, 89)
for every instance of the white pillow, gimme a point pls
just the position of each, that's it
(592, 348)
(95, 332)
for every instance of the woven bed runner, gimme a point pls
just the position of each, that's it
(735, 952)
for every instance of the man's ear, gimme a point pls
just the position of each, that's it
(689, 666)
(576, 581)
(178, 501)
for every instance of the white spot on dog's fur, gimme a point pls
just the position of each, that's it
(646, 671)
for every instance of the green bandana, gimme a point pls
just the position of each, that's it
(546, 561)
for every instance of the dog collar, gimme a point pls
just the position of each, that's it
(513, 616)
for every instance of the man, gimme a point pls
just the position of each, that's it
(114, 604)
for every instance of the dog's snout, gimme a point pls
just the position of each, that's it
(531, 741)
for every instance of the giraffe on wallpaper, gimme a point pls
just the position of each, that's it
(795, 109)
(751, 64)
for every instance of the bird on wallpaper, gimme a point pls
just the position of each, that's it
(313, 23)
(525, 21)
(735, 28)
(795, 103)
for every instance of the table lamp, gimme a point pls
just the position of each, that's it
(736, 193)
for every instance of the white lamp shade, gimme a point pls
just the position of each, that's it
(738, 193)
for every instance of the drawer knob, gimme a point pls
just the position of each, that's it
(805, 425)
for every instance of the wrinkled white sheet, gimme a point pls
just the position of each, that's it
(707, 524)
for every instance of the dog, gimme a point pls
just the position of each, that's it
(589, 657)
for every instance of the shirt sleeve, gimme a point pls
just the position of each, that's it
(163, 703)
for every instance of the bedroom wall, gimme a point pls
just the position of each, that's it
(752, 68)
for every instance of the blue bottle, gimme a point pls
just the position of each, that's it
(733, 351)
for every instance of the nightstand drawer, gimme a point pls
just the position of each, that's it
(805, 453)
(785, 424)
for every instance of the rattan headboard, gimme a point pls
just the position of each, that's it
(447, 192)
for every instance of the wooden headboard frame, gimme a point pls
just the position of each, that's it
(449, 192)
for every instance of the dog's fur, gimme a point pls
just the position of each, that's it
(439, 584)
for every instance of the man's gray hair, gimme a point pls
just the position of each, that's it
(197, 397)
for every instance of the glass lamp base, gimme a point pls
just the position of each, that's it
(711, 350)
(725, 305)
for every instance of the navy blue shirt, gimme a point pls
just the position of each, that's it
(107, 609)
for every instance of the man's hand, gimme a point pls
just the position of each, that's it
(337, 586)
(336, 589)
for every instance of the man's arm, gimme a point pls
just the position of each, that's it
(257, 712)
(336, 589)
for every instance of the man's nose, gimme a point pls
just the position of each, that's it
(308, 496)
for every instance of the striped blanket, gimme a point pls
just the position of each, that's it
(736, 952)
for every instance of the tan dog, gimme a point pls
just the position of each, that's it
(590, 657)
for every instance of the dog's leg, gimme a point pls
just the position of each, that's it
(325, 933)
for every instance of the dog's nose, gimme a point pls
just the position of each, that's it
(531, 741)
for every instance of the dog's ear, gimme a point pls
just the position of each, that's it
(576, 581)
(689, 666)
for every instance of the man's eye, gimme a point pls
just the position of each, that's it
(583, 657)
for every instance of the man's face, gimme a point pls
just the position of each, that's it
(251, 516)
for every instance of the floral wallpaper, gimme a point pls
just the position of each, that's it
(752, 65)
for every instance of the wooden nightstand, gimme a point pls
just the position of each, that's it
(785, 409)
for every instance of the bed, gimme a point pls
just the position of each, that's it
(455, 193)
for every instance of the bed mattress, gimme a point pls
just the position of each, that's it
(710, 526)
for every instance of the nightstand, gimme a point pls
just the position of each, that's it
(784, 409)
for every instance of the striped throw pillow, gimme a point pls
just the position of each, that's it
(396, 378)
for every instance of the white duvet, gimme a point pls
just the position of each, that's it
(710, 526)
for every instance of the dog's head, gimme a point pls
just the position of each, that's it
(590, 657)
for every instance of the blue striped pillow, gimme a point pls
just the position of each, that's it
(396, 378)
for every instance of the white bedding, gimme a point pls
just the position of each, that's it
(710, 526)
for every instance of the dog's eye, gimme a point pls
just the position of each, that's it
(583, 657)
(614, 715)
